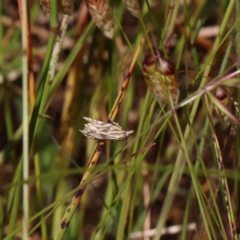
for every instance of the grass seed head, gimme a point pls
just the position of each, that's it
(64, 6)
(159, 76)
(133, 7)
(102, 16)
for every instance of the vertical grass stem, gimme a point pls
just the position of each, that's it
(25, 118)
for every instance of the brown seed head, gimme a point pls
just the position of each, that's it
(133, 7)
(159, 76)
(64, 6)
(102, 16)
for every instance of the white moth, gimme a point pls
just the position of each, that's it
(104, 131)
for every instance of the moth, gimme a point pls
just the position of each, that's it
(98, 130)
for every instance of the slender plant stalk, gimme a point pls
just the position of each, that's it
(95, 156)
(14, 200)
(227, 197)
(120, 96)
(54, 15)
(1, 34)
(23, 16)
(40, 194)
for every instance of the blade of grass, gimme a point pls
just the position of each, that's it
(14, 201)
(174, 181)
(227, 197)
(24, 21)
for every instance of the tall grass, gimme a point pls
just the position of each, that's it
(175, 177)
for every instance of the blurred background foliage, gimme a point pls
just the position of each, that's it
(166, 173)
